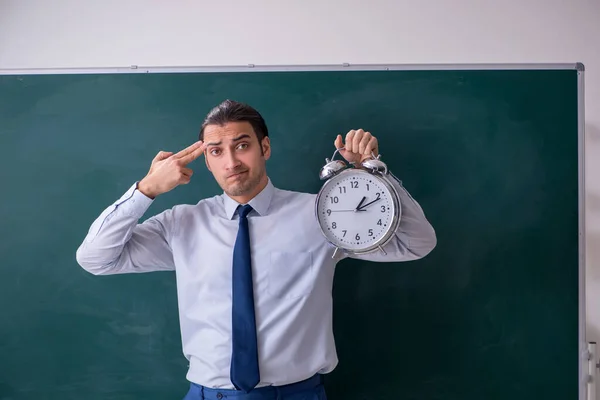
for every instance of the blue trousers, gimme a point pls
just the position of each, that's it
(310, 389)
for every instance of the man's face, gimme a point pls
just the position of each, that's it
(234, 156)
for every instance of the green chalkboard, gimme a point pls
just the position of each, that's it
(492, 155)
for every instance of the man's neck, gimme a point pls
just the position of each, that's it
(245, 199)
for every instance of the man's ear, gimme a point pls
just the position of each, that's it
(266, 147)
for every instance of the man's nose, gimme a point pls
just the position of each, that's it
(232, 161)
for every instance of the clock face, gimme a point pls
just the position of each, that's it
(356, 210)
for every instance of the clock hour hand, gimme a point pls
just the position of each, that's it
(368, 204)
(360, 204)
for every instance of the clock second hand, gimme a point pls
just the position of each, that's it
(358, 207)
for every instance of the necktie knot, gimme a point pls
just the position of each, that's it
(244, 210)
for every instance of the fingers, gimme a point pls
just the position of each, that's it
(186, 176)
(162, 155)
(349, 141)
(193, 154)
(363, 147)
(357, 141)
(372, 147)
(338, 143)
(187, 172)
(189, 150)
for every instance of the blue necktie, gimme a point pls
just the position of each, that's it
(244, 358)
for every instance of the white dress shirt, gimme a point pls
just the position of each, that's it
(292, 270)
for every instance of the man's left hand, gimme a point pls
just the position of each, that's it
(358, 146)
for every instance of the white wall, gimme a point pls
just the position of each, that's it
(108, 33)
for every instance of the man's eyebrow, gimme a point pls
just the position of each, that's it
(236, 139)
(242, 136)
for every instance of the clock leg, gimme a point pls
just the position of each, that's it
(335, 252)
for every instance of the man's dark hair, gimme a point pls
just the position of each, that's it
(233, 111)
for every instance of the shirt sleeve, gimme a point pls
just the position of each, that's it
(117, 243)
(415, 237)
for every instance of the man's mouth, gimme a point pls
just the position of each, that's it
(236, 174)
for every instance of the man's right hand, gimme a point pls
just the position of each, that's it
(169, 170)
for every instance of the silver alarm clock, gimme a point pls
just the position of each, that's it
(358, 208)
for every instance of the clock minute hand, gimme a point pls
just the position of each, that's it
(368, 204)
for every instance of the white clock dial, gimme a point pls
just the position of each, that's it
(356, 210)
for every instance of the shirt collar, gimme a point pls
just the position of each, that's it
(260, 203)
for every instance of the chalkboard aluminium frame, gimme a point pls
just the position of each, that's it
(587, 368)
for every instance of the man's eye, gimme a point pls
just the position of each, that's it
(214, 152)
(242, 146)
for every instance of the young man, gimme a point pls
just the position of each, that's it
(254, 273)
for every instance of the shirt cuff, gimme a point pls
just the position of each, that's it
(133, 202)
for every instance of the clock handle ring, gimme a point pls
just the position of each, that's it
(373, 156)
(333, 156)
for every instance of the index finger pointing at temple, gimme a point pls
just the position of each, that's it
(191, 156)
(189, 149)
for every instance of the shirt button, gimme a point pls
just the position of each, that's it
(219, 396)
